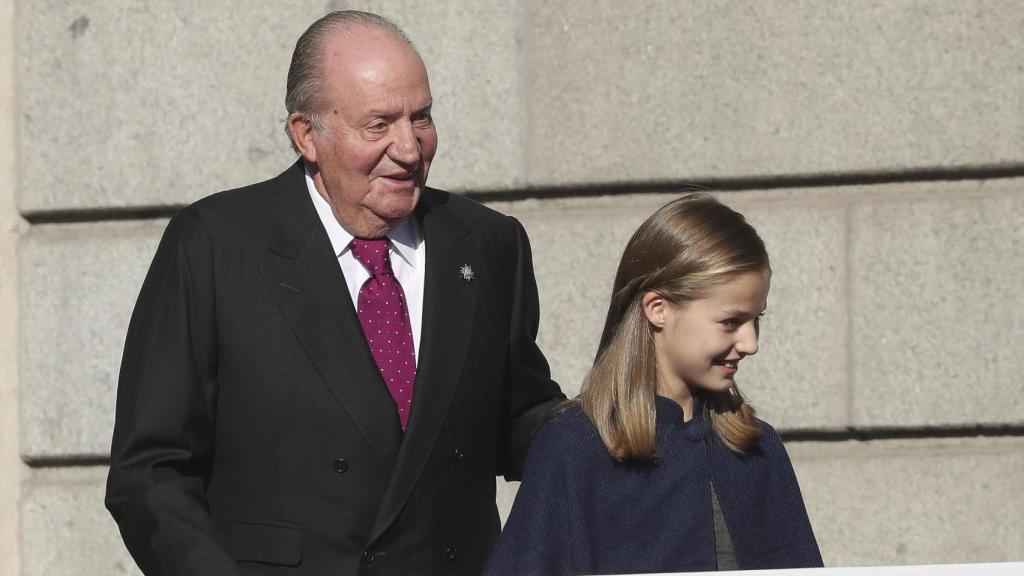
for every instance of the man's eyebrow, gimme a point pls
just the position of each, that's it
(384, 113)
(395, 113)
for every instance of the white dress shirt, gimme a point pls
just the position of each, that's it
(407, 250)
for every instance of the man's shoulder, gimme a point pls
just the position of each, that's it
(470, 212)
(257, 197)
(248, 213)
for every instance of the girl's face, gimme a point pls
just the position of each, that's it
(700, 344)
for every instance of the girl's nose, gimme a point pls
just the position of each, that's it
(746, 339)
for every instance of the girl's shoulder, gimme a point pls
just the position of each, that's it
(768, 432)
(767, 445)
(570, 424)
(570, 432)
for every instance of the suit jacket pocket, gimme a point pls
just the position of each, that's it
(267, 541)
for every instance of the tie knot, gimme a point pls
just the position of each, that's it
(373, 254)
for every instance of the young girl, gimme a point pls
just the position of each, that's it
(660, 465)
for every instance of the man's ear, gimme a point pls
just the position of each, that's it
(302, 131)
(655, 308)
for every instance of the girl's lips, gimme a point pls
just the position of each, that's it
(729, 367)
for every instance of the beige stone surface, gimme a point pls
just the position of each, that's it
(79, 285)
(935, 286)
(678, 90)
(506, 495)
(905, 502)
(66, 531)
(11, 467)
(146, 104)
(150, 104)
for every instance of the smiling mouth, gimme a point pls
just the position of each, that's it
(403, 180)
(731, 366)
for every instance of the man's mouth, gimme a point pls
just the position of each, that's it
(401, 175)
(400, 179)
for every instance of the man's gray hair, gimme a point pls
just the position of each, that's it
(306, 93)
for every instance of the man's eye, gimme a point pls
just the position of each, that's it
(377, 127)
(424, 120)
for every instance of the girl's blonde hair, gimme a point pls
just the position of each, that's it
(682, 252)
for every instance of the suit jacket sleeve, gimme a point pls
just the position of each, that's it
(531, 394)
(165, 416)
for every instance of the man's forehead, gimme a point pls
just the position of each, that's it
(362, 45)
(368, 68)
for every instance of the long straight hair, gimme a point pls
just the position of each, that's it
(682, 252)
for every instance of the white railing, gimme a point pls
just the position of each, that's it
(987, 569)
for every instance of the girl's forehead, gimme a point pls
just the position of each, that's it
(745, 291)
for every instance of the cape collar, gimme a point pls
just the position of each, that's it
(669, 413)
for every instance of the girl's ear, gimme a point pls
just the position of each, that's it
(655, 308)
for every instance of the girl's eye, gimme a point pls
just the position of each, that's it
(731, 323)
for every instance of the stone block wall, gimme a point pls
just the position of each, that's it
(11, 466)
(877, 146)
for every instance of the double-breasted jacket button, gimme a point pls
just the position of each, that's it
(459, 454)
(341, 466)
(369, 557)
(450, 553)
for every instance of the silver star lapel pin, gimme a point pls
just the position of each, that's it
(466, 272)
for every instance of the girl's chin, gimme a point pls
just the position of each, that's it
(717, 385)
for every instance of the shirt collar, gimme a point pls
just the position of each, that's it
(405, 239)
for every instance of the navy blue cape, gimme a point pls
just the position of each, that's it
(580, 512)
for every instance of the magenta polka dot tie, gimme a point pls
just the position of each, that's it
(385, 320)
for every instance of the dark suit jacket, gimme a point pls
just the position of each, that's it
(254, 434)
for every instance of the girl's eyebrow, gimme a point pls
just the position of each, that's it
(741, 312)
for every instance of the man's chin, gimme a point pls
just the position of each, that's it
(398, 206)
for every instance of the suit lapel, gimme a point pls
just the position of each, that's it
(448, 307)
(302, 273)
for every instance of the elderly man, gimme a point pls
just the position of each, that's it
(325, 371)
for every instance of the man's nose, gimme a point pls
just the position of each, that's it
(405, 148)
(746, 339)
